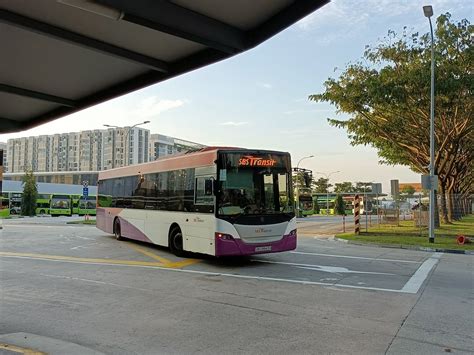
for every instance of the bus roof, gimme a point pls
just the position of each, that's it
(190, 159)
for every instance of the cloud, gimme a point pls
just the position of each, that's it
(234, 124)
(152, 106)
(357, 13)
(265, 85)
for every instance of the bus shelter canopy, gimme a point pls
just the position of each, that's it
(61, 56)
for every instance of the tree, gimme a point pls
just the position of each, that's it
(30, 194)
(363, 187)
(340, 205)
(345, 186)
(408, 190)
(321, 185)
(387, 95)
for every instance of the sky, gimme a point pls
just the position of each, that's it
(259, 99)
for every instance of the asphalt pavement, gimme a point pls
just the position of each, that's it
(75, 286)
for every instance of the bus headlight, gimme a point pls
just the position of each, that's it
(223, 236)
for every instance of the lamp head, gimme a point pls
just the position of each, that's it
(428, 10)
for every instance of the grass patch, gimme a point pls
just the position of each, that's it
(90, 221)
(408, 235)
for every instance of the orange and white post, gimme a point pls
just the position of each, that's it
(357, 214)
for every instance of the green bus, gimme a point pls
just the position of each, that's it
(60, 205)
(75, 203)
(4, 206)
(305, 200)
(321, 202)
(42, 204)
(87, 206)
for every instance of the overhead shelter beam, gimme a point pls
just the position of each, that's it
(175, 20)
(295, 12)
(37, 95)
(194, 61)
(61, 34)
(10, 124)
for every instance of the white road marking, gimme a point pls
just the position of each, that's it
(417, 279)
(323, 268)
(293, 281)
(84, 246)
(340, 270)
(356, 257)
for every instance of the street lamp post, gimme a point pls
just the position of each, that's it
(127, 145)
(428, 11)
(327, 188)
(296, 185)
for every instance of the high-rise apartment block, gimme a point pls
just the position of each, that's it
(161, 145)
(92, 150)
(3, 147)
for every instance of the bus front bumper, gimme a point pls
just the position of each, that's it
(228, 246)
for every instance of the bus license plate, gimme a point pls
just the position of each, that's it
(266, 248)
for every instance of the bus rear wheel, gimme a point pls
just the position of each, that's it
(117, 230)
(176, 242)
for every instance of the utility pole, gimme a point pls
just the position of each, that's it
(428, 11)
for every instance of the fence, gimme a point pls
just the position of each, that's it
(449, 208)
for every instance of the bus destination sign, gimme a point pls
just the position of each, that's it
(249, 160)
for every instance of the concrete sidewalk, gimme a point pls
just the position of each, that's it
(442, 319)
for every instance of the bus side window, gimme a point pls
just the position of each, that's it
(203, 194)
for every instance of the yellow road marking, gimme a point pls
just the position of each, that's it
(170, 264)
(180, 264)
(148, 253)
(17, 349)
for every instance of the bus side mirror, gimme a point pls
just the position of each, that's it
(208, 187)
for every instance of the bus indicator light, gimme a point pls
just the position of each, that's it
(223, 236)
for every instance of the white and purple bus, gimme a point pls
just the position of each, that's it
(217, 201)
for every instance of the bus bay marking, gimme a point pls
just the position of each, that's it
(168, 265)
(158, 266)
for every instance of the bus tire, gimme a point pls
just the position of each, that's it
(42, 212)
(117, 229)
(176, 241)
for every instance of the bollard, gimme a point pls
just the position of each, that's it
(357, 214)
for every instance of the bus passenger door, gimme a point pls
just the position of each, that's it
(200, 223)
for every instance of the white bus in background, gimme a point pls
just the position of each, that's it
(216, 201)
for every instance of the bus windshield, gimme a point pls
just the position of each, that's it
(60, 202)
(88, 202)
(255, 189)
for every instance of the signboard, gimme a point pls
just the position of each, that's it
(394, 188)
(85, 191)
(427, 183)
(377, 188)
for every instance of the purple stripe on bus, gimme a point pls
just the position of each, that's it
(105, 222)
(132, 232)
(238, 247)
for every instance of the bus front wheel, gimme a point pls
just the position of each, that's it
(117, 230)
(176, 242)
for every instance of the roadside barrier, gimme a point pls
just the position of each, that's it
(357, 214)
